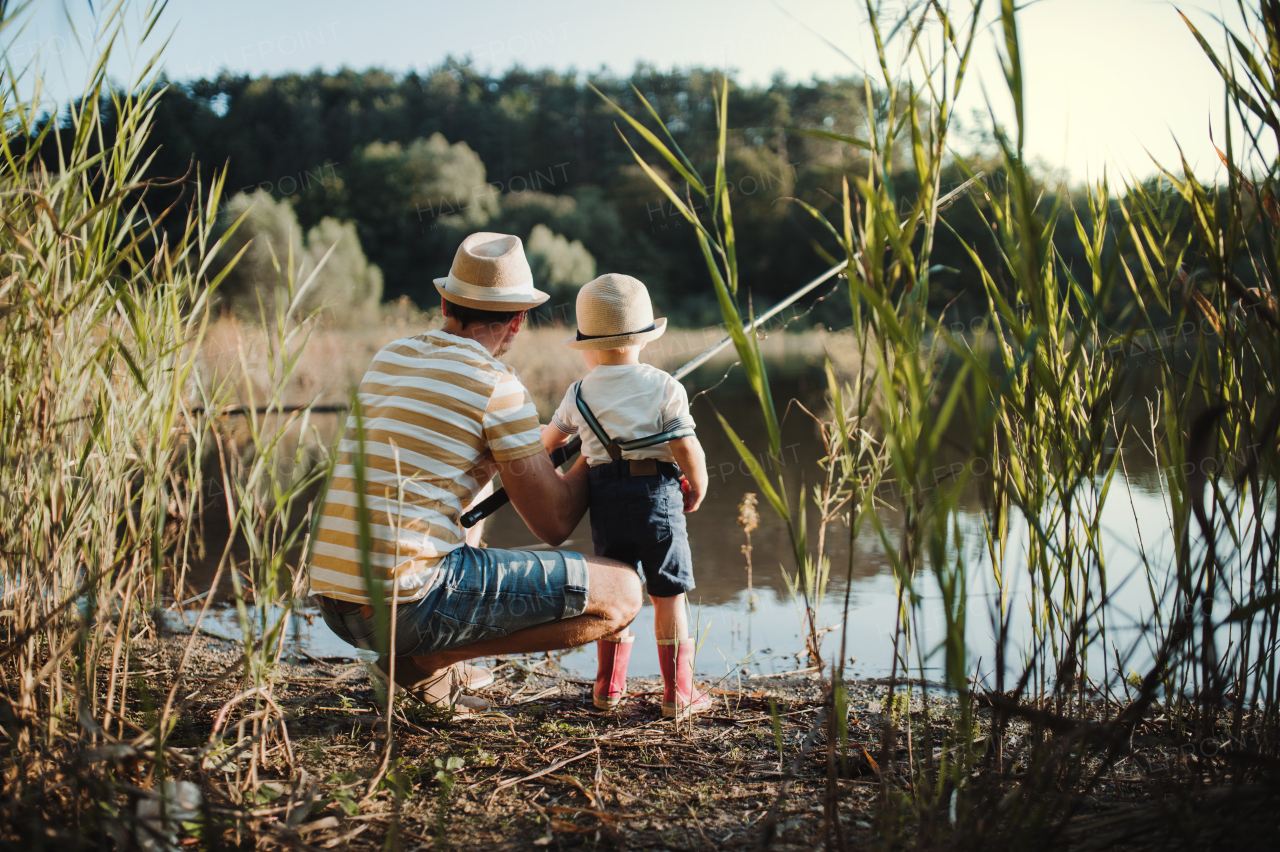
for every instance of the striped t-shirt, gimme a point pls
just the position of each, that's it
(434, 408)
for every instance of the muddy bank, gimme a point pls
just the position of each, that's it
(544, 768)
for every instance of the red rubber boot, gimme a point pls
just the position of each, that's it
(667, 664)
(680, 698)
(611, 671)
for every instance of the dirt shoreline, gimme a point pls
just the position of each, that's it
(544, 768)
(627, 778)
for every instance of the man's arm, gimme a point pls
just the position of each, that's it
(693, 464)
(476, 533)
(549, 502)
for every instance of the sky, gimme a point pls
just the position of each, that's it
(1110, 83)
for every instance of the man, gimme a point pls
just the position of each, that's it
(440, 416)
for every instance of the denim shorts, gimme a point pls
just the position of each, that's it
(640, 520)
(482, 593)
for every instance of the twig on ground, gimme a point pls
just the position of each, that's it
(552, 768)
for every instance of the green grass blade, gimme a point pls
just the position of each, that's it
(692, 179)
(757, 472)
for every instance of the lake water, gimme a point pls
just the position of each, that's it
(760, 631)
(743, 632)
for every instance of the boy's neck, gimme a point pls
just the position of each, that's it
(617, 357)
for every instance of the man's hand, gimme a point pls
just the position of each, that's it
(693, 464)
(550, 503)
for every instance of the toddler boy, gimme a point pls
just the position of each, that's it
(638, 437)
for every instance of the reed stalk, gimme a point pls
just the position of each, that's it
(112, 459)
(1048, 398)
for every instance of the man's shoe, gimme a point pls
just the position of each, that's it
(474, 677)
(408, 673)
(442, 689)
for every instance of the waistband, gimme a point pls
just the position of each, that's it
(635, 467)
(340, 607)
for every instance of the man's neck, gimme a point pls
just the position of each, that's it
(480, 332)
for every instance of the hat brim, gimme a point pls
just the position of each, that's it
(618, 341)
(521, 304)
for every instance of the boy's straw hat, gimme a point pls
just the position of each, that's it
(614, 311)
(490, 273)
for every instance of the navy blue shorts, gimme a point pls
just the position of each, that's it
(640, 520)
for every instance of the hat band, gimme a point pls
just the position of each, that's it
(461, 288)
(582, 336)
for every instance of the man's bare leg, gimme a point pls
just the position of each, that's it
(613, 600)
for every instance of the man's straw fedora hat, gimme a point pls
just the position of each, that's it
(491, 273)
(614, 311)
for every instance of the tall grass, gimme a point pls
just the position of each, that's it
(1047, 398)
(110, 451)
(110, 441)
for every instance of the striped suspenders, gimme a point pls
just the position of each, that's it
(615, 448)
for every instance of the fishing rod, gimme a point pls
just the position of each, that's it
(560, 455)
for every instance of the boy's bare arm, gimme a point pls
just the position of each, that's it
(693, 464)
(553, 437)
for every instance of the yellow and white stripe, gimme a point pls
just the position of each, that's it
(434, 406)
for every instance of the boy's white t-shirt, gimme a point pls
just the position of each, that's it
(630, 401)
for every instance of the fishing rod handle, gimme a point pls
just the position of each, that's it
(499, 498)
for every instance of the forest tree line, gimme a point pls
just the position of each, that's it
(398, 168)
